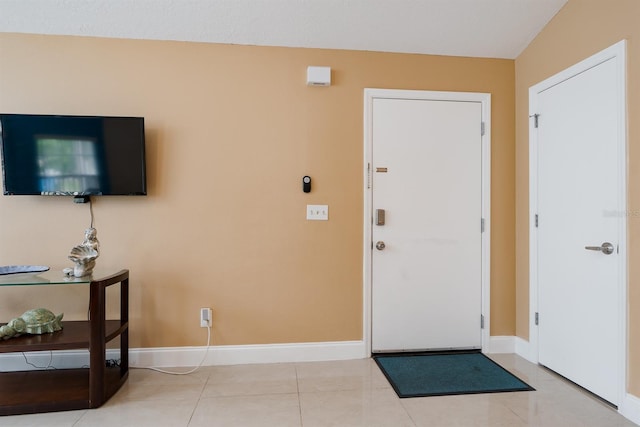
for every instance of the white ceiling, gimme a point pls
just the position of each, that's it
(478, 28)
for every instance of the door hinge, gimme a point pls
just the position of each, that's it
(536, 220)
(368, 176)
(482, 321)
(482, 225)
(537, 318)
(481, 128)
(535, 120)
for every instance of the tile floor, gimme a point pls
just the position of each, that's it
(341, 393)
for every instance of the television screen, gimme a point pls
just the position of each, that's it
(72, 155)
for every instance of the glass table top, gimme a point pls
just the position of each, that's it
(53, 276)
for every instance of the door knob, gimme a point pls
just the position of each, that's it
(606, 248)
(380, 245)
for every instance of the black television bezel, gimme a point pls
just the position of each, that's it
(79, 197)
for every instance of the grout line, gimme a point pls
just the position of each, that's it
(204, 385)
(75, 423)
(298, 391)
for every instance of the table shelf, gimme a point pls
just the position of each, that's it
(74, 335)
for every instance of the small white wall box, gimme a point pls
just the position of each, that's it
(318, 76)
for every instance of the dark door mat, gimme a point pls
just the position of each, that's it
(446, 373)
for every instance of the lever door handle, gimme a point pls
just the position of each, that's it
(606, 248)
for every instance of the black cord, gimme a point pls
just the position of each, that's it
(49, 365)
(91, 211)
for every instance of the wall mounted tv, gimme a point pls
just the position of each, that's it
(78, 156)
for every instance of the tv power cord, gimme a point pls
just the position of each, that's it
(204, 357)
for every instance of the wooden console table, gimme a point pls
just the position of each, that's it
(26, 392)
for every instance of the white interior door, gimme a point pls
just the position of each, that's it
(427, 177)
(580, 228)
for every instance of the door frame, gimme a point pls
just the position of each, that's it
(617, 51)
(485, 100)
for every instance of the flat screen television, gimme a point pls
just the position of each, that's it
(72, 155)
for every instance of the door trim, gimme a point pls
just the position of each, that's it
(485, 100)
(617, 51)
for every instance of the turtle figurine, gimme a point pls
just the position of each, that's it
(35, 322)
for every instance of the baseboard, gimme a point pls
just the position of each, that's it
(216, 355)
(524, 349)
(192, 356)
(630, 408)
(501, 344)
(247, 354)
(512, 344)
(18, 361)
(59, 359)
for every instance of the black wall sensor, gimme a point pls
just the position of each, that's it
(306, 184)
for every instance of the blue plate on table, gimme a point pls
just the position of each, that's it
(22, 269)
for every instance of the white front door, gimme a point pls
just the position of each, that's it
(426, 203)
(579, 145)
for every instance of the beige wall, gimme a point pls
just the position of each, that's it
(580, 29)
(231, 130)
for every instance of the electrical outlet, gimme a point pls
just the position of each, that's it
(318, 212)
(205, 317)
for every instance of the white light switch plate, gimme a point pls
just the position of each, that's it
(318, 212)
